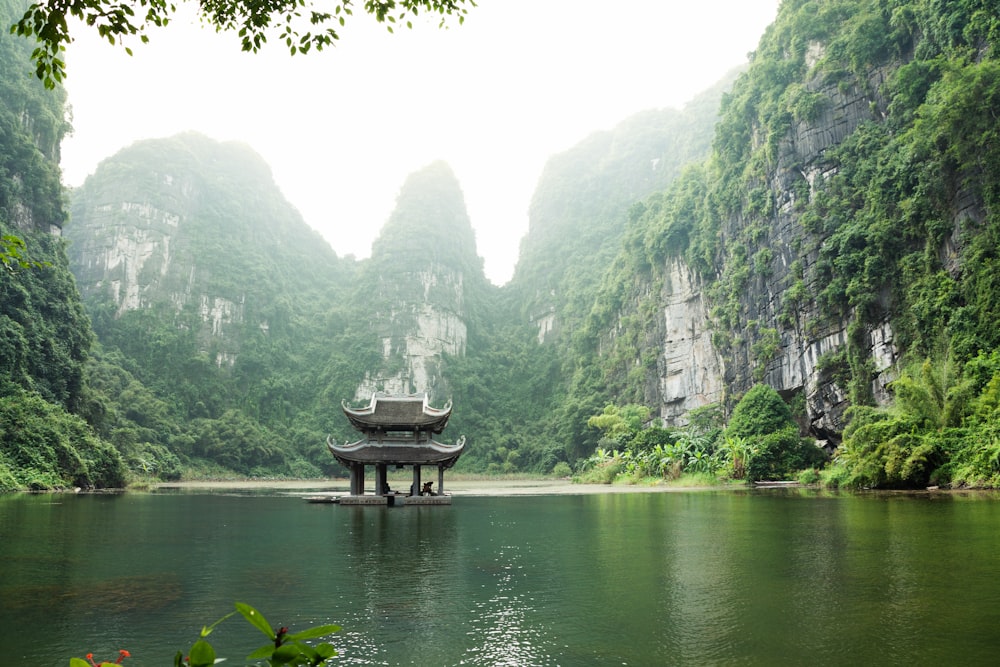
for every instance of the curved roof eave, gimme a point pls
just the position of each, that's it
(397, 453)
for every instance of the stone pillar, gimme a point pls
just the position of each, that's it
(416, 480)
(380, 482)
(440, 490)
(357, 479)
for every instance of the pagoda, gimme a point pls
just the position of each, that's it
(397, 431)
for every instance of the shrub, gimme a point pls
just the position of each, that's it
(772, 449)
(760, 412)
(808, 476)
(561, 469)
(781, 454)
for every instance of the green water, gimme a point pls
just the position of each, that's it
(756, 578)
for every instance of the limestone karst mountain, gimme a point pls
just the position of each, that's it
(831, 219)
(197, 232)
(205, 283)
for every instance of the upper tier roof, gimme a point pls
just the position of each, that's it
(398, 413)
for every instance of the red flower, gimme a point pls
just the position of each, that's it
(122, 654)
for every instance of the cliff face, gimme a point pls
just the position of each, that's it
(781, 342)
(810, 334)
(689, 372)
(131, 240)
(772, 338)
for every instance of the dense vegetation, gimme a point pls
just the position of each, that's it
(849, 188)
(761, 442)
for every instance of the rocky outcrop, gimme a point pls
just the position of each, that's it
(126, 253)
(414, 337)
(786, 341)
(422, 268)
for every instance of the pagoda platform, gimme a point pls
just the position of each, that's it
(387, 500)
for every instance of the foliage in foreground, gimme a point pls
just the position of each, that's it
(283, 647)
(297, 23)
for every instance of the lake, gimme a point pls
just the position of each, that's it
(686, 578)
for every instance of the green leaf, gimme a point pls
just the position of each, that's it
(207, 630)
(326, 651)
(264, 651)
(313, 633)
(285, 653)
(256, 619)
(202, 654)
(306, 651)
(77, 662)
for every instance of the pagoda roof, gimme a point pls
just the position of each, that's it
(398, 413)
(397, 452)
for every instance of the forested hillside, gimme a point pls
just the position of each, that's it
(217, 309)
(805, 255)
(840, 245)
(44, 333)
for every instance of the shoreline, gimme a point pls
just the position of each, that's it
(458, 487)
(537, 486)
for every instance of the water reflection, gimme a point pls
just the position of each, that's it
(399, 564)
(501, 634)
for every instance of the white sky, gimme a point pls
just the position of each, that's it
(520, 81)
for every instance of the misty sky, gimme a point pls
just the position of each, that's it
(520, 81)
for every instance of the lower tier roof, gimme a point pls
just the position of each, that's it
(395, 452)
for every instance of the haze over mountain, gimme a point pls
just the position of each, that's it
(494, 97)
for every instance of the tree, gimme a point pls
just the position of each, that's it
(12, 254)
(620, 424)
(296, 22)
